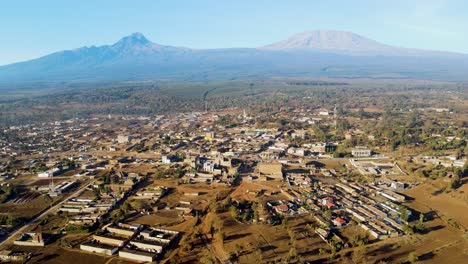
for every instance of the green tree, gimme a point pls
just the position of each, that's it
(404, 213)
(455, 182)
(292, 252)
(412, 257)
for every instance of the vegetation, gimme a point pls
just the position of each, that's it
(9, 220)
(7, 192)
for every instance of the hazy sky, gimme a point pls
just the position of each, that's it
(30, 29)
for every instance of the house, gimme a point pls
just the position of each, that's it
(209, 135)
(327, 200)
(297, 152)
(122, 139)
(274, 152)
(339, 221)
(168, 159)
(361, 152)
(321, 147)
(397, 185)
(209, 166)
(282, 208)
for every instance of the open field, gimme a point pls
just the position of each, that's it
(27, 209)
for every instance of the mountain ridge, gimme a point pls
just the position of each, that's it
(342, 54)
(350, 43)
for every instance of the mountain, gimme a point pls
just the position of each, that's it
(344, 42)
(309, 54)
(330, 41)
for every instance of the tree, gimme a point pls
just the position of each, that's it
(455, 182)
(404, 213)
(359, 240)
(316, 185)
(335, 247)
(408, 229)
(327, 214)
(412, 257)
(125, 207)
(292, 252)
(419, 227)
(139, 205)
(234, 212)
(465, 168)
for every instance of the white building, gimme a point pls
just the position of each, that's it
(121, 139)
(49, 173)
(361, 152)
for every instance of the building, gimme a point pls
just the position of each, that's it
(361, 152)
(392, 196)
(122, 139)
(14, 256)
(62, 187)
(151, 193)
(321, 147)
(122, 229)
(339, 221)
(397, 185)
(31, 239)
(210, 135)
(148, 244)
(138, 255)
(282, 208)
(49, 173)
(111, 238)
(168, 159)
(95, 247)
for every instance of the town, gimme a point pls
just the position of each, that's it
(221, 186)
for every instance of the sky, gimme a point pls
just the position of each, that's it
(31, 29)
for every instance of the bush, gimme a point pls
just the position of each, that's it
(9, 220)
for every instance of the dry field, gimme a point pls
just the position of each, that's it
(54, 254)
(246, 191)
(29, 209)
(267, 242)
(445, 239)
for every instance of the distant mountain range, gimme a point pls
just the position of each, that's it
(310, 54)
(343, 42)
